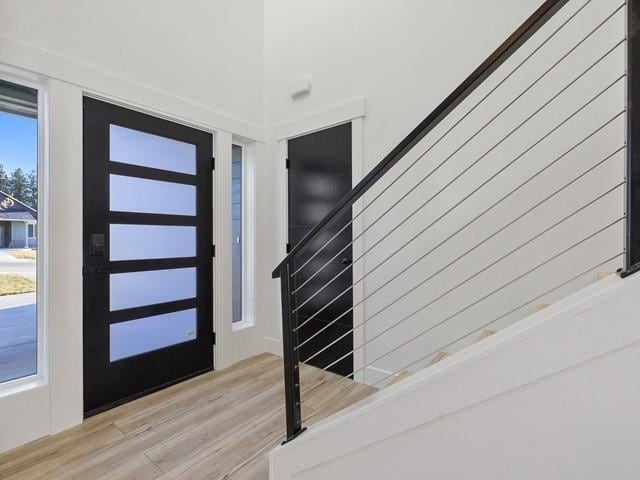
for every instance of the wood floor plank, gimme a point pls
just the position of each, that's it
(220, 425)
(256, 469)
(137, 468)
(219, 460)
(59, 459)
(105, 460)
(329, 394)
(48, 447)
(186, 397)
(215, 431)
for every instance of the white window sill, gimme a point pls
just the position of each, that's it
(20, 385)
(242, 325)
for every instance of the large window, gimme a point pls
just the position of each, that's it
(19, 153)
(237, 204)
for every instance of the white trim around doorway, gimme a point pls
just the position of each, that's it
(352, 112)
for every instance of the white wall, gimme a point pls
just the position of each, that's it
(555, 396)
(206, 52)
(404, 58)
(200, 65)
(205, 63)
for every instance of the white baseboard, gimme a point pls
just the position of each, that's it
(374, 375)
(273, 345)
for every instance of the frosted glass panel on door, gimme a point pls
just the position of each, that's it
(140, 242)
(132, 194)
(147, 150)
(151, 333)
(136, 289)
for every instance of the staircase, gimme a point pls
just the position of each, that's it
(551, 396)
(509, 197)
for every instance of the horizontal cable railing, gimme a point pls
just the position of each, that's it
(511, 192)
(328, 283)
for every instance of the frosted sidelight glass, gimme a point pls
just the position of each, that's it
(136, 289)
(151, 333)
(147, 150)
(131, 194)
(139, 242)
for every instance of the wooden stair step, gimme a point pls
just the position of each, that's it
(438, 357)
(483, 335)
(401, 376)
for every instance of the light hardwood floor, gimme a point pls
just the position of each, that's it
(218, 425)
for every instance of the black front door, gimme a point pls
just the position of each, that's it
(148, 313)
(319, 176)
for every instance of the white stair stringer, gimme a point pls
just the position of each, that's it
(530, 394)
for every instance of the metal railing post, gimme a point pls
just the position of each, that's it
(293, 406)
(632, 247)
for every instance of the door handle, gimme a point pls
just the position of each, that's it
(346, 261)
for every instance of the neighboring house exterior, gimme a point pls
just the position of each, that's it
(17, 223)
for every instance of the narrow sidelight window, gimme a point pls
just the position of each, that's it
(18, 226)
(237, 193)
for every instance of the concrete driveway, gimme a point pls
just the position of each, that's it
(18, 342)
(18, 323)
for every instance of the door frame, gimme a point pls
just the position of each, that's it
(97, 284)
(225, 351)
(352, 112)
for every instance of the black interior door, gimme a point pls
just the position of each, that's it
(148, 313)
(319, 176)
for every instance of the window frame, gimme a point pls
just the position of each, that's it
(243, 217)
(247, 221)
(41, 376)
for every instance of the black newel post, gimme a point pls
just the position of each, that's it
(633, 139)
(293, 406)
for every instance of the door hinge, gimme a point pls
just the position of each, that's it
(288, 247)
(214, 338)
(286, 164)
(213, 163)
(213, 251)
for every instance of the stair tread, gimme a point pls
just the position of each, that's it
(438, 357)
(484, 334)
(401, 376)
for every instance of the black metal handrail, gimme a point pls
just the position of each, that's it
(286, 269)
(468, 85)
(292, 284)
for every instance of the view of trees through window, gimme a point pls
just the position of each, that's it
(20, 185)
